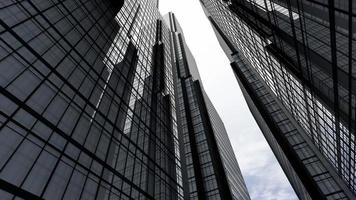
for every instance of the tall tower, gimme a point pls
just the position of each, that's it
(294, 63)
(86, 111)
(210, 169)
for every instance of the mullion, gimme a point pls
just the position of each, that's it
(128, 157)
(42, 54)
(91, 162)
(126, 136)
(59, 90)
(107, 153)
(47, 106)
(283, 73)
(326, 6)
(55, 148)
(13, 114)
(351, 126)
(26, 136)
(125, 29)
(111, 135)
(98, 111)
(31, 65)
(11, 4)
(91, 124)
(273, 74)
(81, 109)
(124, 169)
(109, 85)
(310, 75)
(94, 20)
(87, 175)
(304, 38)
(42, 31)
(81, 115)
(29, 17)
(90, 154)
(52, 70)
(115, 166)
(331, 10)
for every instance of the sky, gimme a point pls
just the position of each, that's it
(264, 177)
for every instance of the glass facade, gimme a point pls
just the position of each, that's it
(93, 105)
(211, 170)
(87, 108)
(303, 51)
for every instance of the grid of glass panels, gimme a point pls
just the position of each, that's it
(305, 153)
(201, 169)
(206, 165)
(326, 109)
(232, 169)
(197, 153)
(75, 105)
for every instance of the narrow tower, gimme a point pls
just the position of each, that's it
(211, 170)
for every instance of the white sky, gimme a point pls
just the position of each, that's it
(264, 177)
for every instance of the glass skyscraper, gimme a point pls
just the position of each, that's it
(294, 61)
(93, 106)
(211, 170)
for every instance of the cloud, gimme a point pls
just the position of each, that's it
(262, 173)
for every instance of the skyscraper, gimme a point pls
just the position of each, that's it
(294, 63)
(211, 170)
(89, 108)
(86, 112)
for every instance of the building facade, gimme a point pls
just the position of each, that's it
(294, 63)
(211, 170)
(89, 104)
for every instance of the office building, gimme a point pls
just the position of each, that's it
(294, 63)
(88, 105)
(86, 112)
(212, 171)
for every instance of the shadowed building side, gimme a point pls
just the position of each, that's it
(297, 58)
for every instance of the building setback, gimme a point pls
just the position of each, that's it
(211, 170)
(91, 107)
(294, 63)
